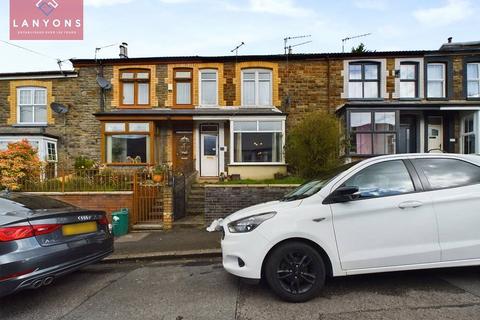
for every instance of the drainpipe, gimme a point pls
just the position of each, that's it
(102, 91)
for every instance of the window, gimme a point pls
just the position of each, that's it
(383, 179)
(436, 80)
(135, 87)
(127, 143)
(32, 105)
(51, 152)
(258, 141)
(364, 80)
(468, 134)
(208, 87)
(448, 173)
(183, 87)
(473, 80)
(46, 147)
(257, 87)
(372, 132)
(408, 80)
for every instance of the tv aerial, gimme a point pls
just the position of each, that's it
(59, 108)
(344, 40)
(104, 83)
(288, 48)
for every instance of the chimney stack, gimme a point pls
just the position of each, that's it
(124, 50)
(450, 40)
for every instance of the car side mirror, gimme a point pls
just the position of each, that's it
(341, 195)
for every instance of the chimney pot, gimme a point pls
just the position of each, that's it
(124, 50)
(450, 40)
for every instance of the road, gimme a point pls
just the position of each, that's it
(202, 290)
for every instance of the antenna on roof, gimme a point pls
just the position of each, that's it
(344, 40)
(97, 50)
(288, 48)
(237, 47)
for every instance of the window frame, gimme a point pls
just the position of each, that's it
(136, 81)
(426, 183)
(415, 81)
(32, 90)
(150, 146)
(182, 80)
(378, 80)
(200, 91)
(372, 131)
(257, 71)
(444, 80)
(232, 140)
(467, 80)
(464, 134)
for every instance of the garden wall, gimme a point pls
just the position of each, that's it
(222, 200)
(106, 201)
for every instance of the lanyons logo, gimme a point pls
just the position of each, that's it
(47, 7)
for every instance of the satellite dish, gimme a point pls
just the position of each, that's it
(59, 108)
(103, 83)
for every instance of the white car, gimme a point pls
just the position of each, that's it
(389, 213)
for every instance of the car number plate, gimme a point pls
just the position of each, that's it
(79, 228)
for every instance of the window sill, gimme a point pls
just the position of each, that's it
(237, 164)
(366, 99)
(183, 106)
(135, 107)
(410, 99)
(30, 125)
(437, 99)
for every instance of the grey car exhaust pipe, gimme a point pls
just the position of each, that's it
(47, 281)
(41, 282)
(37, 284)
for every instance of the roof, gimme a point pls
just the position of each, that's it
(241, 58)
(38, 74)
(200, 111)
(461, 46)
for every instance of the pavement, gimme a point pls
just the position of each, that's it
(180, 242)
(201, 289)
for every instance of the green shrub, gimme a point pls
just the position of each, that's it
(313, 145)
(84, 163)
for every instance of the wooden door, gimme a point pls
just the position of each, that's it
(183, 151)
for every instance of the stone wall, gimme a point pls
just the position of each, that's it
(106, 201)
(218, 198)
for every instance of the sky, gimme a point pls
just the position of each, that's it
(214, 27)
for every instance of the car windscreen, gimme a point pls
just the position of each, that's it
(313, 186)
(29, 202)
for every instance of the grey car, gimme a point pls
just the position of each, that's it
(42, 238)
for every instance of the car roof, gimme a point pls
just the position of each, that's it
(468, 157)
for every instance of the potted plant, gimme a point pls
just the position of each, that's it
(159, 173)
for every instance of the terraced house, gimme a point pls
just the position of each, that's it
(230, 115)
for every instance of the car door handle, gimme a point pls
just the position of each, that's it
(410, 204)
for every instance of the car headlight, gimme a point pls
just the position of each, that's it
(250, 223)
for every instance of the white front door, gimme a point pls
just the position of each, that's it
(390, 224)
(435, 134)
(209, 154)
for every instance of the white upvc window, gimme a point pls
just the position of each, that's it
(436, 84)
(32, 105)
(208, 87)
(473, 80)
(257, 142)
(46, 147)
(257, 87)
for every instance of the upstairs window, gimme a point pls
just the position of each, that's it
(473, 80)
(436, 87)
(32, 105)
(208, 87)
(408, 80)
(364, 80)
(257, 87)
(183, 87)
(135, 87)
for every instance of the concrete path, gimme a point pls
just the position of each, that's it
(202, 290)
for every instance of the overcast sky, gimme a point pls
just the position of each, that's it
(214, 27)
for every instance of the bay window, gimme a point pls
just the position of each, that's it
(257, 87)
(32, 105)
(468, 134)
(208, 87)
(436, 83)
(473, 80)
(372, 133)
(135, 87)
(258, 141)
(183, 87)
(364, 80)
(128, 143)
(408, 80)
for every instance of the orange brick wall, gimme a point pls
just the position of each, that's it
(108, 202)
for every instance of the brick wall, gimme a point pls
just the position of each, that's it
(106, 201)
(219, 204)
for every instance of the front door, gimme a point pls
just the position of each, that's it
(390, 224)
(435, 134)
(183, 147)
(209, 151)
(407, 136)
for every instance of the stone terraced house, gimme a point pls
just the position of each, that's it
(230, 114)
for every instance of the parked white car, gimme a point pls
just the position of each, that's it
(389, 213)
